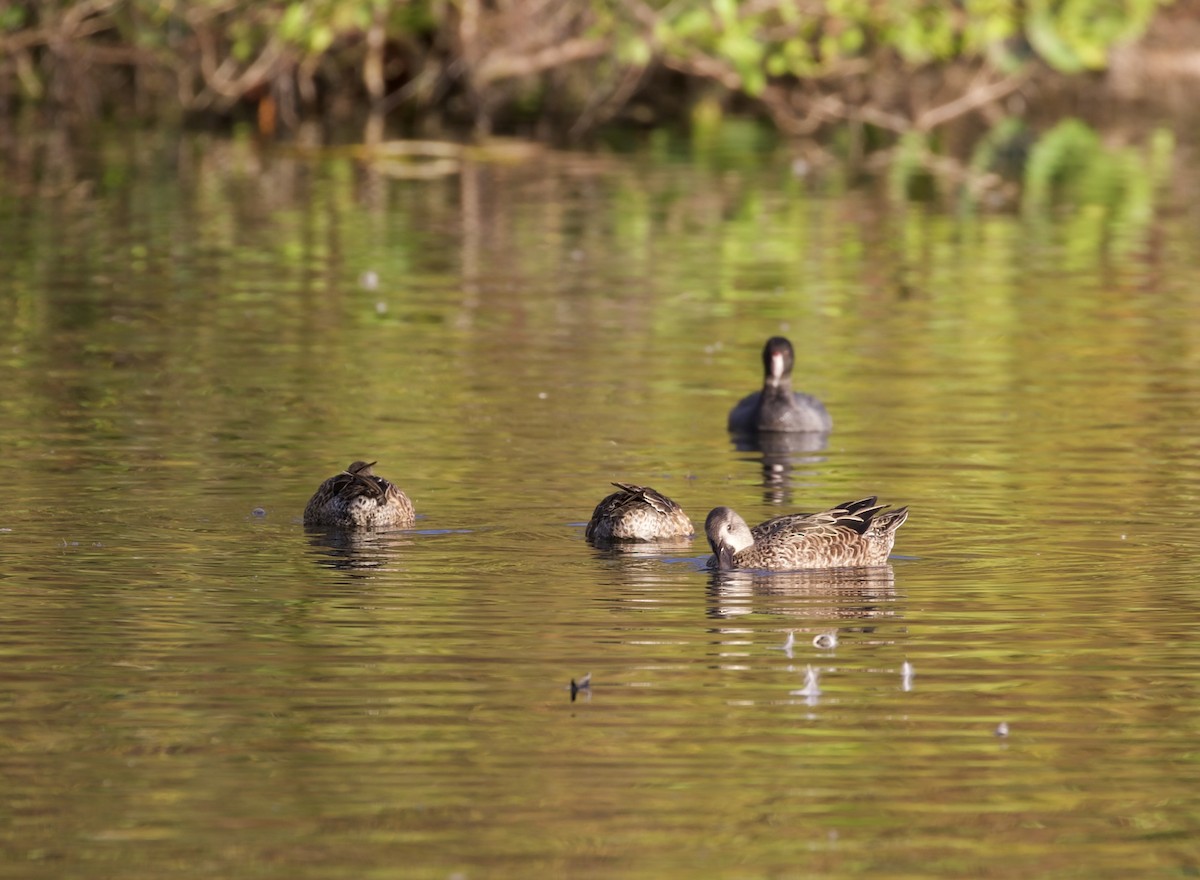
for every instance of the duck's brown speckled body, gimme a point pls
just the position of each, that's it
(637, 513)
(358, 499)
(858, 533)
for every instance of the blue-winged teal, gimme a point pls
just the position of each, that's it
(777, 407)
(858, 533)
(358, 499)
(638, 513)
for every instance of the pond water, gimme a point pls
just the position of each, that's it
(196, 331)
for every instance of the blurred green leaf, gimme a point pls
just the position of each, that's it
(294, 23)
(13, 18)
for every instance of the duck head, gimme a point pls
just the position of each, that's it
(727, 535)
(778, 360)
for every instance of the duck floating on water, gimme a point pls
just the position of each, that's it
(777, 407)
(359, 499)
(638, 513)
(857, 533)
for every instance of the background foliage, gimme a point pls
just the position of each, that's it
(561, 67)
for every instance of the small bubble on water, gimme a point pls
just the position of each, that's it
(826, 641)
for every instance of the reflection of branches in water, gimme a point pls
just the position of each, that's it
(781, 452)
(834, 593)
(951, 171)
(358, 553)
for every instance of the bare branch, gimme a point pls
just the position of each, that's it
(505, 65)
(975, 97)
(706, 67)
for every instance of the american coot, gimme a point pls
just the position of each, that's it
(777, 407)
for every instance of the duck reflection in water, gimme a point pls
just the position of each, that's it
(359, 553)
(829, 612)
(780, 455)
(788, 427)
(639, 520)
(816, 595)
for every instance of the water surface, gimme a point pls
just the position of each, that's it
(195, 332)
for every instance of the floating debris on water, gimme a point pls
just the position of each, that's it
(812, 686)
(584, 684)
(1002, 729)
(258, 511)
(368, 280)
(906, 676)
(825, 641)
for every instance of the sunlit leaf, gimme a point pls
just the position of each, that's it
(293, 23)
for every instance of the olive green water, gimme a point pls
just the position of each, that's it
(193, 688)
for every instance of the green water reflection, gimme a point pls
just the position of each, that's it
(192, 329)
